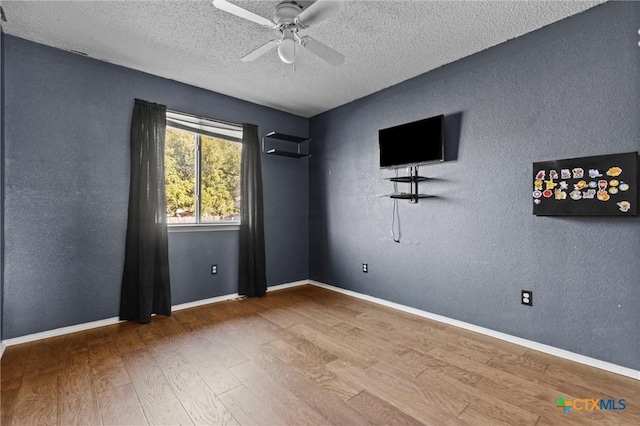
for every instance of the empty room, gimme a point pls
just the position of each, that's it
(339, 212)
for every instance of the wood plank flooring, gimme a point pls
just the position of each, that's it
(302, 356)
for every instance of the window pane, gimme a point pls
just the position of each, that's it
(220, 180)
(179, 176)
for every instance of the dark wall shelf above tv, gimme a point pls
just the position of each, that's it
(298, 140)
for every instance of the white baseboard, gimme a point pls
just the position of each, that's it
(232, 296)
(551, 350)
(60, 331)
(204, 302)
(288, 285)
(115, 320)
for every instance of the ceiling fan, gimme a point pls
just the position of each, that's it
(289, 18)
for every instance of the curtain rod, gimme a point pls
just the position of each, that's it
(231, 123)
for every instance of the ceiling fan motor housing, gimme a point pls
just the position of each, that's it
(286, 12)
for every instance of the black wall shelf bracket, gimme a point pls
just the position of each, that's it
(298, 140)
(413, 179)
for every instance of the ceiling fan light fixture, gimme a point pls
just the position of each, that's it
(286, 51)
(287, 47)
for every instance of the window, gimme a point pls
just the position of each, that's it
(202, 171)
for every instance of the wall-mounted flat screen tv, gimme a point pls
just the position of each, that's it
(411, 144)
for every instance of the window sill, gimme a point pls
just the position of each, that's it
(203, 227)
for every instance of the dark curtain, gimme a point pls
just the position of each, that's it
(145, 281)
(252, 277)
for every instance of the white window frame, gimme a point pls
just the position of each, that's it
(203, 126)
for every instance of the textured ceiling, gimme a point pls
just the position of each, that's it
(385, 42)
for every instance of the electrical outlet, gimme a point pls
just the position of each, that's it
(365, 268)
(214, 269)
(527, 297)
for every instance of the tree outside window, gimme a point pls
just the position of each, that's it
(201, 168)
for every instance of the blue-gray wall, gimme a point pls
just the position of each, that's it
(67, 120)
(568, 90)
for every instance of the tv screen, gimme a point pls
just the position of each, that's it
(411, 144)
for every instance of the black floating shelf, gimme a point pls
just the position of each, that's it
(410, 196)
(408, 179)
(282, 136)
(287, 153)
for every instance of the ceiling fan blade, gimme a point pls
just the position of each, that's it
(243, 13)
(322, 51)
(319, 11)
(260, 51)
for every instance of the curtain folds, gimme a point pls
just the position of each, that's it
(145, 281)
(252, 277)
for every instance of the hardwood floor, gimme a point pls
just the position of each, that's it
(302, 356)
